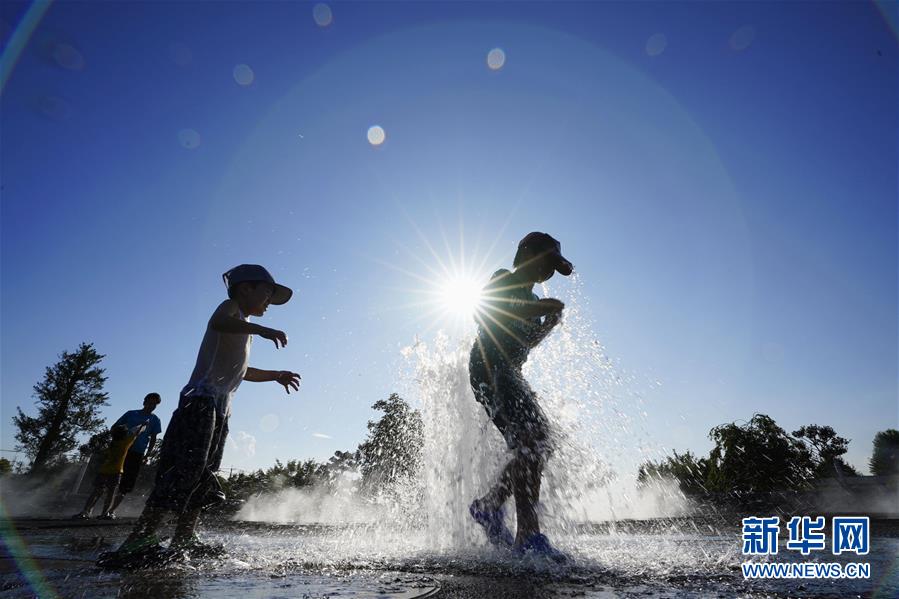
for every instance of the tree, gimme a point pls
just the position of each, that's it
(339, 464)
(758, 456)
(689, 472)
(885, 457)
(294, 473)
(392, 449)
(5, 467)
(825, 448)
(69, 400)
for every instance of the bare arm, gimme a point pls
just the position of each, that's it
(289, 380)
(226, 320)
(543, 307)
(540, 333)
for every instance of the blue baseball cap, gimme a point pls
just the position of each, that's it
(255, 273)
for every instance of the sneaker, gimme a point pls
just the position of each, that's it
(107, 516)
(492, 522)
(539, 545)
(80, 516)
(194, 548)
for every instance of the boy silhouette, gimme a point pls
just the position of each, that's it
(511, 321)
(196, 434)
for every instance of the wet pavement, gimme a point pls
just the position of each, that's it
(55, 558)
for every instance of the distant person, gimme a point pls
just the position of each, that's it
(107, 479)
(512, 321)
(195, 437)
(140, 449)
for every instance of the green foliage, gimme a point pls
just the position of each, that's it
(294, 474)
(755, 457)
(825, 447)
(5, 466)
(689, 472)
(392, 450)
(758, 456)
(342, 462)
(885, 457)
(69, 400)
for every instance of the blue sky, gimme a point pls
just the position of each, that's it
(723, 176)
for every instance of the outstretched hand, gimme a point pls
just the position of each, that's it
(279, 337)
(290, 380)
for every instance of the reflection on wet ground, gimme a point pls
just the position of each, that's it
(55, 559)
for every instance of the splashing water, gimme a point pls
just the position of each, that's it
(593, 413)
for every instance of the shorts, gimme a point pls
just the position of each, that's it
(130, 470)
(190, 456)
(511, 404)
(106, 481)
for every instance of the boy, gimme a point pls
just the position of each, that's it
(110, 471)
(196, 435)
(141, 448)
(511, 321)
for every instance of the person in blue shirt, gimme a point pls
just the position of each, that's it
(141, 448)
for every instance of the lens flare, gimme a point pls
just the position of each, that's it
(322, 14)
(496, 58)
(243, 75)
(376, 135)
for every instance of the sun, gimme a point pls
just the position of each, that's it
(459, 296)
(447, 283)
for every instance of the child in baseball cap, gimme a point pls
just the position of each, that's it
(511, 322)
(196, 435)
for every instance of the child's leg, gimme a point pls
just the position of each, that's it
(91, 500)
(119, 496)
(133, 462)
(527, 472)
(181, 464)
(528, 432)
(185, 530)
(187, 525)
(146, 526)
(110, 495)
(500, 492)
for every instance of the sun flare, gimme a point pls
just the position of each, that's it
(460, 296)
(447, 283)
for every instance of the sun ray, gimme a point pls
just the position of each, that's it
(499, 236)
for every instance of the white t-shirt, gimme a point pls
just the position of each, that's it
(221, 365)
